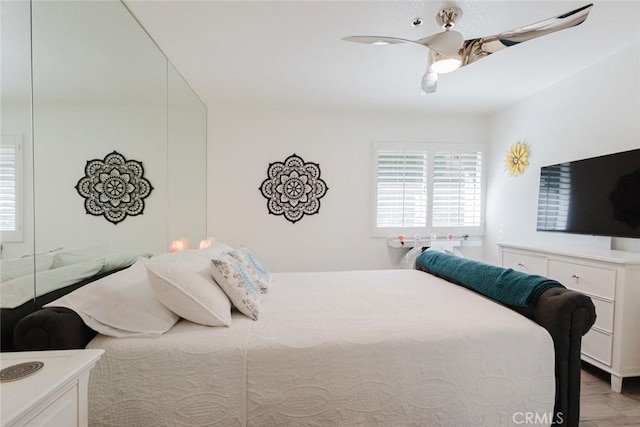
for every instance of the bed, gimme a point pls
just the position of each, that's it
(388, 348)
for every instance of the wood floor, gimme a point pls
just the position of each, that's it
(602, 407)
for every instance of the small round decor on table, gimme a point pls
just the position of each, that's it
(21, 370)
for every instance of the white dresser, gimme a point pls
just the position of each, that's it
(612, 280)
(55, 395)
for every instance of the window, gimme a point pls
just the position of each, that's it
(402, 189)
(10, 188)
(427, 188)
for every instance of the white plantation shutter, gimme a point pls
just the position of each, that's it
(427, 188)
(457, 189)
(402, 189)
(10, 162)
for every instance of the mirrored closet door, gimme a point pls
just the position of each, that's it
(113, 139)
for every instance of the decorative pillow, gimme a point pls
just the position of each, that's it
(188, 289)
(18, 267)
(258, 272)
(120, 305)
(238, 284)
(20, 290)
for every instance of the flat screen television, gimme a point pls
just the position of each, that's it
(599, 196)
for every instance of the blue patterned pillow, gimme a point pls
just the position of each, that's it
(237, 283)
(259, 272)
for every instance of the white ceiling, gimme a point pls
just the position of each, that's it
(290, 53)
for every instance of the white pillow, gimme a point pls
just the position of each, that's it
(188, 289)
(121, 304)
(216, 250)
(169, 257)
(238, 284)
(18, 291)
(18, 267)
(74, 256)
(258, 272)
(121, 260)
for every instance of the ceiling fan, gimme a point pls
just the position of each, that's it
(448, 50)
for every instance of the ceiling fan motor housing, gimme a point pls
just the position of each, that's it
(448, 17)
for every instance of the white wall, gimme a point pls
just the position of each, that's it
(187, 162)
(242, 143)
(594, 112)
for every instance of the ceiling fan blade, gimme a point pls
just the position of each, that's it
(476, 49)
(447, 42)
(377, 40)
(548, 26)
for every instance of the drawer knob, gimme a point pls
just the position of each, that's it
(575, 276)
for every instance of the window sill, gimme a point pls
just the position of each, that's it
(439, 243)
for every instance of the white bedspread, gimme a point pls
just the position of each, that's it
(370, 348)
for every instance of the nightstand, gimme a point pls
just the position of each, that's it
(55, 395)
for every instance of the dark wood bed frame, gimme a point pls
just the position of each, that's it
(565, 314)
(9, 317)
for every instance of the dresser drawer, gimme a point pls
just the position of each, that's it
(597, 281)
(598, 345)
(63, 412)
(610, 278)
(604, 314)
(526, 263)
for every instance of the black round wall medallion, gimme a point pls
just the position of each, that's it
(293, 188)
(114, 187)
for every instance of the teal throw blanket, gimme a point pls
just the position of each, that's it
(501, 284)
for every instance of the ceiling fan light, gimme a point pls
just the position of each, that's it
(429, 82)
(380, 43)
(443, 64)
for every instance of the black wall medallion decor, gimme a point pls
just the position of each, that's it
(293, 188)
(114, 187)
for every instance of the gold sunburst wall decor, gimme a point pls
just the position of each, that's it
(517, 159)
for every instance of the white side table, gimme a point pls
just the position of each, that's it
(55, 395)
